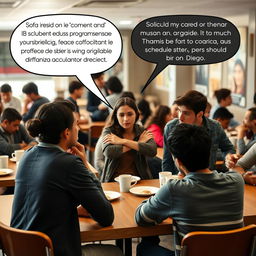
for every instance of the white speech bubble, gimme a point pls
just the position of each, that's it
(67, 45)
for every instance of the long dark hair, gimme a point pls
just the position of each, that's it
(50, 120)
(159, 116)
(113, 123)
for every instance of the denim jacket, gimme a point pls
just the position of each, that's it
(217, 134)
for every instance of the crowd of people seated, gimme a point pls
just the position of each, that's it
(192, 133)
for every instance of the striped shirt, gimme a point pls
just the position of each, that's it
(199, 202)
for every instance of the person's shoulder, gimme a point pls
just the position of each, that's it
(15, 99)
(172, 123)
(211, 123)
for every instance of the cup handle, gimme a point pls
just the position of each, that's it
(13, 155)
(134, 183)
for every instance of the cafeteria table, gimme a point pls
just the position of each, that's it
(124, 226)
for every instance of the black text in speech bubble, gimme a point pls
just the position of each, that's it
(67, 45)
(184, 40)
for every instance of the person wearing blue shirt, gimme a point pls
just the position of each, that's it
(191, 111)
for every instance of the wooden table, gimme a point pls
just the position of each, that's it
(86, 127)
(124, 225)
(9, 180)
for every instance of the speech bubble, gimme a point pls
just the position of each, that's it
(184, 40)
(67, 45)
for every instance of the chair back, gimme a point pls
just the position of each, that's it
(237, 242)
(16, 242)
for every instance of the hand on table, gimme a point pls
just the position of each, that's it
(250, 177)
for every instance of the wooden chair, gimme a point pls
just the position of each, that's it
(94, 133)
(237, 242)
(16, 242)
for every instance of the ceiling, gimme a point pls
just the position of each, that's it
(12, 12)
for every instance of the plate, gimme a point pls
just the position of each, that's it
(4, 172)
(144, 190)
(134, 178)
(13, 159)
(112, 195)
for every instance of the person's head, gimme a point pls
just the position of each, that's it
(190, 146)
(191, 107)
(223, 97)
(76, 89)
(175, 110)
(144, 110)
(207, 110)
(124, 116)
(161, 116)
(10, 120)
(99, 79)
(114, 85)
(250, 118)
(6, 93)
(223, 116)
(31, 90)
(55, 123)
(239, 76)
(128, 94)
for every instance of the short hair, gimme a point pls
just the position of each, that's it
(128, 94)
(193, 100)
(252, 114)
(50, 120)
(190, 144)
(223, 114)
(11, 115)
(74, 85)
(222, 94)
(30, 88)
(6, 88)
(97, 75)
(114, 84)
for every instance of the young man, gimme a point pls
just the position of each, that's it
(191, 111)
(8, 100)
(54, 178)
(13, 135)
(247, 130)
(223, 116)
(203, 200)
(98, 110)
(31, 92)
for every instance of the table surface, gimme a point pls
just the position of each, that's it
(9, 180)
(86, 127)
(124, 225)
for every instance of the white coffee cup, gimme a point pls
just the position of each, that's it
(4, 161)
(18, 154)
(125, 181)
(164, 177)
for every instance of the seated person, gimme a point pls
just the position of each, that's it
(203, 200)
(208, 109)
(114, 87)
(13, 135)
(33, 97)
(223, 116)
(145, 112)
(244, 164)
(8, 100)
(99, 158)
(224, 100)
(191, 111)
(158, 121)
(247, 130)
(98, 111)
(54, 178)
(76, 90)
(126, 144)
